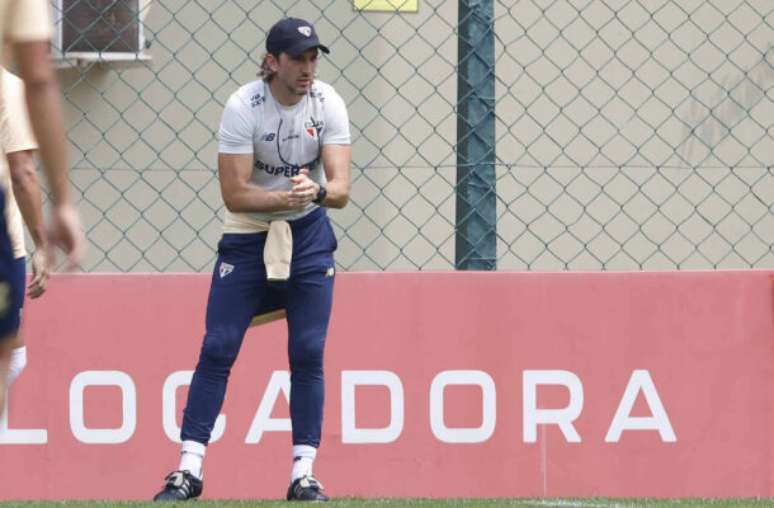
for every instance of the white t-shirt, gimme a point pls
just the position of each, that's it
(282, 140)
(24, 20)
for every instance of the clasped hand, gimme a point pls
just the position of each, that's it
(304, 190)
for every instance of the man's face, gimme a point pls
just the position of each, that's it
(296, 73)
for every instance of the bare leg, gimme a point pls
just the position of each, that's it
(6, 346)
(16, 342)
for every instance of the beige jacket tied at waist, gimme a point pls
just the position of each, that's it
(278, 249)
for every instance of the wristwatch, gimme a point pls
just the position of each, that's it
(321, 194)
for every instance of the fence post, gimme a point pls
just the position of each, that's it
(476, 233)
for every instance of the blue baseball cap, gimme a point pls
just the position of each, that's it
(293, 36)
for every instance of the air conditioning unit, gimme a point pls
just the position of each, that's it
(99, 30)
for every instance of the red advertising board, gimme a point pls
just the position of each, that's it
(437, 385)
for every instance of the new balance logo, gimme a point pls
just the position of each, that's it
(225, 269)
(257, 100)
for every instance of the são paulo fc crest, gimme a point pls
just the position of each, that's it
(314, 127)
(225, 269)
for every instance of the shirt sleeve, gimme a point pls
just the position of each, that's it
(237, 127)
(336, 130)
(3, 137)
(28, 20)
(19, 136)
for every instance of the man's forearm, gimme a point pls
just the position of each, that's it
(337, 194)
(43, 104)
(46, 117)
(250, 198)
(28, 194)
(337, 160)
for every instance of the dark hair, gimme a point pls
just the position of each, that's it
(265, 73)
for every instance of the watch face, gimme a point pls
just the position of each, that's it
(321, 195)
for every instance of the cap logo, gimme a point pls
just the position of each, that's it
(305, 30)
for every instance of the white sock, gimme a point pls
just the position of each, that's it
(192, 457)
(303, 458)
(18, 362)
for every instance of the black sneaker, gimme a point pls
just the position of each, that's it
(180, 486)
(306, 488)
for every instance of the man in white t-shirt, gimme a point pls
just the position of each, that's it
(26, 26)
(284, 157)
(23, 201)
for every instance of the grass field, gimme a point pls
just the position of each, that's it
(424, 503)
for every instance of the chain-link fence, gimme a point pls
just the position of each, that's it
(627, 134)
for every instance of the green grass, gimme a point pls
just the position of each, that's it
(422, 503)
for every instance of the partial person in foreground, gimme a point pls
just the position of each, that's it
(23, 205)
(26, 26)
(284, 157)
